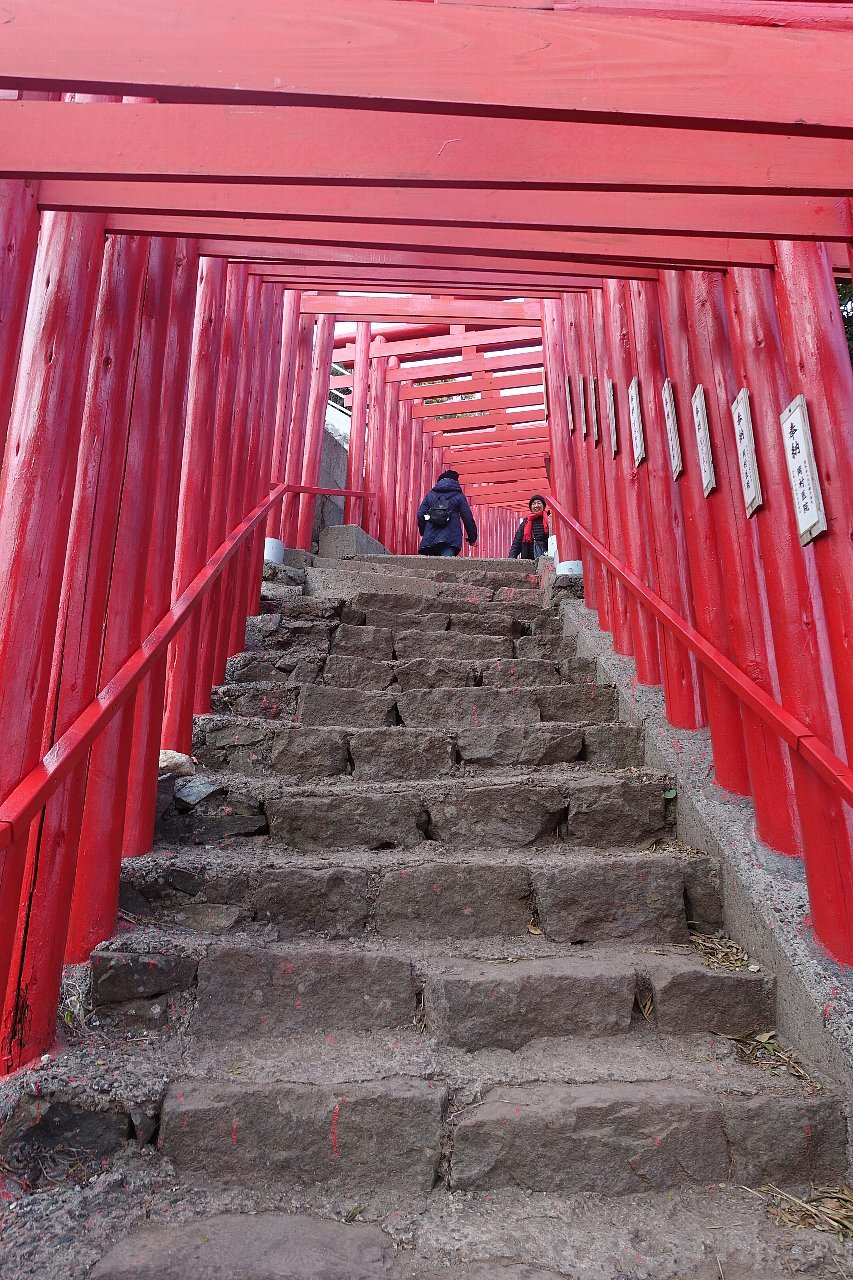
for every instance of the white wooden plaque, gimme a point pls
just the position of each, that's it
(593, 408)
(703, 441)
(582, 403)
(569, 405)
(745, 444)
(672, 429)
(637, 438)
(611, 416)
(802, 470)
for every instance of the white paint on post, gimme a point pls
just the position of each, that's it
(593, 408)
(703, 441)
(672, 429)
(638, 439)
(582, 404)
(745, 443)
(611, 416)
(802, 470)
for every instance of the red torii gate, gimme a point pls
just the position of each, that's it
(167, 316)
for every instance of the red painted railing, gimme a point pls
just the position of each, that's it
(29, 797)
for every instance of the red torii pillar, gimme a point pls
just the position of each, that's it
(150, 699)
(321, 370)
(296, 432)
(769, 763)
(284, 401)
(375, 442)
(36, 493)
(563, 479)
(390, 449)
(354, 507)
(76, 667)
(193, 510)
(19, 229)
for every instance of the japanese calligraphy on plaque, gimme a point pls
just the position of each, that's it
(637, 437)
(802, 471)
(582, 404)
(703, 441)
(672, 429)
(569, 406)
(593, 408)
(747, 464)
(611, 416)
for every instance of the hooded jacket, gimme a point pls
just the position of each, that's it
(451, 534)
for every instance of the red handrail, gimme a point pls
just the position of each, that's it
(35, 788)
(797, 735)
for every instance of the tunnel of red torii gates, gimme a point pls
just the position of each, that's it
(615, 229)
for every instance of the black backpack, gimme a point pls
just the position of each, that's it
(440, 511)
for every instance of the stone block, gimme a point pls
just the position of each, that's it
(251, 993)
(689, 997)
(468, 708)
(786, 1140)
(478, 1005)
(256, 1246)
(519, 673)
(577, 703)
(513, 815)
(349, 819)
(325, 705)
(350, 671)
(382, 754)
(450, 644)
(344, 541)
(614, 746)
(436, 673)
(301, 752)
(362, 1137)
(129, 975)
(454, 900)
(376, 643)
(270, 701)
(607, 1139)
(605, 812)
(507, 746)
(593, 898)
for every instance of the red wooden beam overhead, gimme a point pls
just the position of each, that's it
(474, 282)
(451, 310)
(115, 140)
(772, 217)
(476, 383)
(525, 335)
(535, 432)
(830, 16)
(489, 453)
(416, 373)
(480, 404)
(494, 418)
(359, 242)
(611, 64)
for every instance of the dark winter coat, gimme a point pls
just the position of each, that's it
(529, 550)
(451, 534)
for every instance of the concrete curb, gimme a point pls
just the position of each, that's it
(765, 899)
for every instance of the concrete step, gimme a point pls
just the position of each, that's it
(572, 897)
(571, 805)
(250, 745)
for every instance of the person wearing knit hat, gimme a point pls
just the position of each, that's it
(531, 538)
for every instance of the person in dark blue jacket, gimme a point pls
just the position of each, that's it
(441, 516)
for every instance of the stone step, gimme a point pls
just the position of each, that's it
(343, 581)
(577, 897)
(513, 1235)
(461, 604)
(575, 806)
(439, 673)
(505, 573)
(250, 745)
(605, 1136)
(268, 992)
(459, 708)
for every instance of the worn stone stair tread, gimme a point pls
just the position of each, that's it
(436, 891)
(487, 992)
(248, 744)
(507, 1235)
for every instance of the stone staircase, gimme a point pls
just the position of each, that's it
(420, 926)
